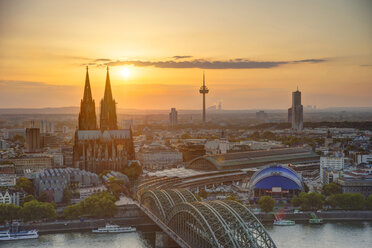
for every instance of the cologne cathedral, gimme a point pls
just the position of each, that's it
(104, 148)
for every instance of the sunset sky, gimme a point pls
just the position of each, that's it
(254, 53)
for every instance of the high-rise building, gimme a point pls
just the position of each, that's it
(108, 119)
(173, 117)
(43, 126)
(109, 148)
(32, 139)
(51, 127)
(204, 90)
(219, 106)
(296, 116)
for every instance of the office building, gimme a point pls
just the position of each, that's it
(173, 117)
(295, 113)
(33, 139)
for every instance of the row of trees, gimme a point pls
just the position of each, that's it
(32, 210)
(333, 199)
(101, 205)
(309, 201)
(286, 140)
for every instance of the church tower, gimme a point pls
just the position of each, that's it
(108, 120)
(87, 115)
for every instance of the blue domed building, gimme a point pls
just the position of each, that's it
(277, 181)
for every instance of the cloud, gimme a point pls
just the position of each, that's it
(366, 65)
(182, 57)
(212, 64)
(310, 61)
(102, 60)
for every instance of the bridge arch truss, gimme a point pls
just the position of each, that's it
(207, 224)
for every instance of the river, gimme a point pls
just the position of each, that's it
(328, 235)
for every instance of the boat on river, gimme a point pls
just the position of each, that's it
(8, 235)
(284, 223)
(109, 228)
(315, 220)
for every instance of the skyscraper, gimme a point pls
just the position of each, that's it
(204, 90)
(173, 117)
(33, 139)
(295, 114)
(108, 120)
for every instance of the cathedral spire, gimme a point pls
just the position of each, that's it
(87, 91)
(108, 119)
(108, 92)
(87, 115)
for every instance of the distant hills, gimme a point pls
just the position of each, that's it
(75, 110)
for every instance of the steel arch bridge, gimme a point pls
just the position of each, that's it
(207, 224)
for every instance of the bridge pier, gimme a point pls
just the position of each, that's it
(162, 240)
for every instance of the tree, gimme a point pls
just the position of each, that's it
(232, 197)
(25, 185)
(266, 203)
(34, 210)
(197, 197)
(9, 212)
(311, 201)
(67, 195)
(330, 189)
(255, 135)
(73, 211)
(351, 201)
(369, 201)
(268, 135)
(101, 205)
(43, 197)
(28, 198)
(133, 171)
(296, 202)
(203, 193)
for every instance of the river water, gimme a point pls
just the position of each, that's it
(328, 235)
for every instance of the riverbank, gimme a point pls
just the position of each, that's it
(334, 215)
(141, 223)
(127, 215)
(131, 215)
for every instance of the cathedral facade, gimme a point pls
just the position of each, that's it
(104, 148)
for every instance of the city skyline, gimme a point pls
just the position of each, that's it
(254, 54)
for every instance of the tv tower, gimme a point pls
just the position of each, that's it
(204, 90)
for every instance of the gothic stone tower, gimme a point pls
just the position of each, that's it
(108, 120)
(106, 149)
(87, 115)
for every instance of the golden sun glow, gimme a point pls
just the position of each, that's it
(125, 72)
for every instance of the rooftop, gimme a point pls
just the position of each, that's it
(252, 159)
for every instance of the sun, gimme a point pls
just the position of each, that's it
(125, 72)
